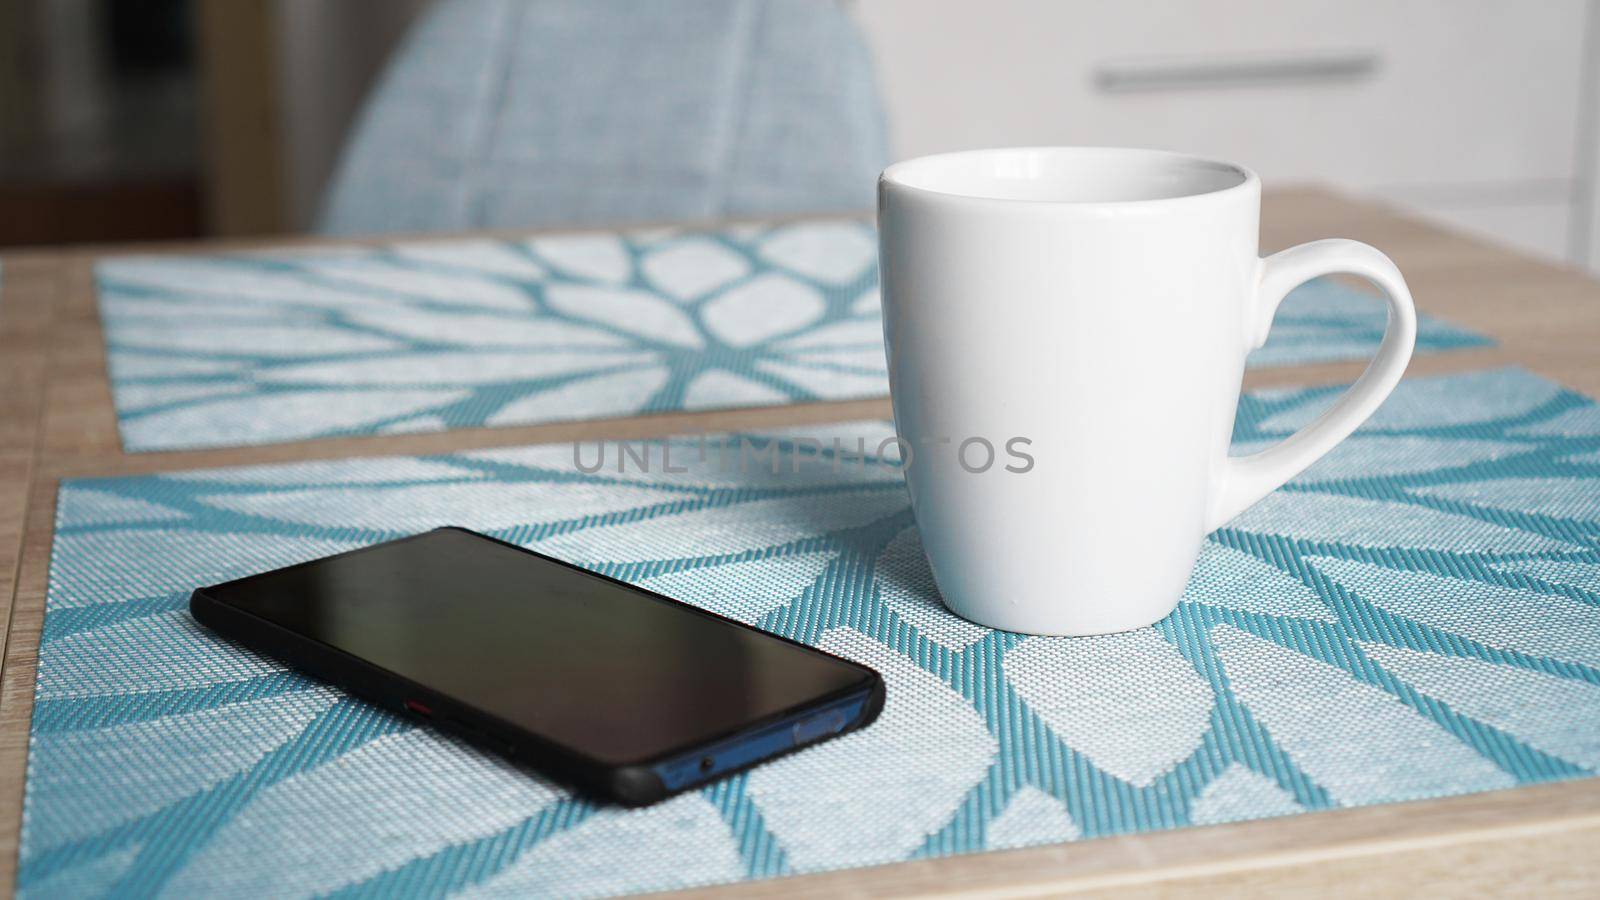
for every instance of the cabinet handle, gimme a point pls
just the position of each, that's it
(1135, 76)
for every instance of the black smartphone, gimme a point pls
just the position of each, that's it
(618, 691)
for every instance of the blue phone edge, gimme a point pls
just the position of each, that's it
(743, 750)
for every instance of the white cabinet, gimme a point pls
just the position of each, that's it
(1465, 110)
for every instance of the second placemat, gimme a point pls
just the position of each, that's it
(224, 351)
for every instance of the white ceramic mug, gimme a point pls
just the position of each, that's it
(1097, 304)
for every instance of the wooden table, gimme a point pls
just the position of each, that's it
(57, 421)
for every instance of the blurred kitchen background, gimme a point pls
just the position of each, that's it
(157, 119)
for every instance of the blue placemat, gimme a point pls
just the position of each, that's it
(223, 351)
(1417, 616)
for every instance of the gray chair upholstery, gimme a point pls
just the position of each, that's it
(509, 113)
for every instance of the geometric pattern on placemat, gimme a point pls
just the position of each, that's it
(243, 349)
(1418, 615)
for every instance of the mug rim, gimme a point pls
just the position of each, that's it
(896, 175)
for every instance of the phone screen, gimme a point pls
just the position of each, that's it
(613, 673)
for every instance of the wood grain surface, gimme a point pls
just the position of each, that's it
(57, 421)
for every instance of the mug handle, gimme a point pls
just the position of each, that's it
(1243, 480)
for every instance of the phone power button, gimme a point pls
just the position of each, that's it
(819, 726)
